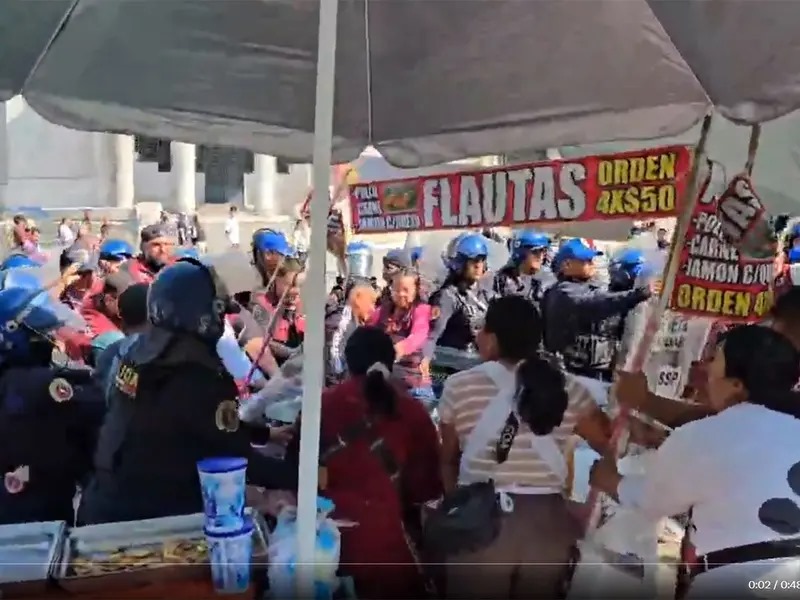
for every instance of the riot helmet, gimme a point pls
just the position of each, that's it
(624, 268)
(188, 297)
(529, 242)
(112, 253)
(17, 261)
(358, 256)
(470, 252)
(116, 250)
(29, 319)
(269, 249)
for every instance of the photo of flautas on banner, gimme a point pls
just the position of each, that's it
(726, 266)
(645, 184)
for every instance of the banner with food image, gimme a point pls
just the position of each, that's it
(715, 278)
(640, 185)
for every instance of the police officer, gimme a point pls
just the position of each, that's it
(269, 249)
(582, 319)
(461, 303)
(112, 253)
(49, 415)
(625, 268)
(172, 404)
(526, 274)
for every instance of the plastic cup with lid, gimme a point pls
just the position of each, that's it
(222, 485)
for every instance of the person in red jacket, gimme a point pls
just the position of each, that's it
(379, 464)
(156, 248)
(100, 311)
(289, 327)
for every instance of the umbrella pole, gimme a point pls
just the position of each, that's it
(313, 368)
(640, 353)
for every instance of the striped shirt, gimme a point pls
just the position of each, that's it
(464, 398)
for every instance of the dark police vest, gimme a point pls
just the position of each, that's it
(140, 453)
(48, 426)
(509, 282)
(467, 318)
(587, 346)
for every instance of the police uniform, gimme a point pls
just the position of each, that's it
(172, 404)
(583, 324)
(49, 420)
(460, 310)
(510, 282)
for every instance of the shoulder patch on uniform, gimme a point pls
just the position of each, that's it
(127, 380)
(227, 416)
(60, 390)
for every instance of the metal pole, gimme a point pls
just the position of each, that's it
(314, 368)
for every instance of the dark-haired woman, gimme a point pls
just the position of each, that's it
(738, 471)
(520, 391)
(380, 451)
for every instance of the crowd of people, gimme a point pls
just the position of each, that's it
(437, 391)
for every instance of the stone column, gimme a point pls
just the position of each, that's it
(123, 157)
(4, 159)
(264, 180)
(183, 174)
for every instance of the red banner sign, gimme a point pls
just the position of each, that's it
(715, 279)
(645, 184)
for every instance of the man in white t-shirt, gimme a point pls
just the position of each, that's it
(232, 228)
(65, 234)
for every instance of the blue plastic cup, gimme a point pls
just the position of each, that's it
(230, 554)
(222, 484)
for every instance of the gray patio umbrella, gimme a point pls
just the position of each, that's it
(424, 82)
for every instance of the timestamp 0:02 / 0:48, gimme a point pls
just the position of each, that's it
(773, 584)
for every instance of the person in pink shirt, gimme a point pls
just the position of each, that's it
(407, 319)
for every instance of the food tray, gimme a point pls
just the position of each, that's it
(29, 554)
(149, 549)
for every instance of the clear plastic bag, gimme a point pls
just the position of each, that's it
(283, 553)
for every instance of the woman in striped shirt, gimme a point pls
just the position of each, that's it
(537, 539)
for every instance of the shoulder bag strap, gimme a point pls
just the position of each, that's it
(493, 417)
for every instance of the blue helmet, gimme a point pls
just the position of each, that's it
(116, 250)
(26, 279)
(416, 253)
(470, 246)
(527, 240)
(269, 240)
(16, 261)
(625, 267)
(27, 315)
(190, 252)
